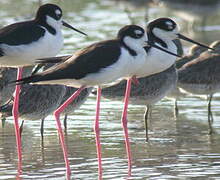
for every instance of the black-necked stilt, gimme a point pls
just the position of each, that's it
(161, 32)
(24, 42)
(201, 76)
(124, 57)
(97, 64)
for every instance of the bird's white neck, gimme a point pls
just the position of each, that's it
(165, 36)
(54, 23)
(136, 45)
(157, 60)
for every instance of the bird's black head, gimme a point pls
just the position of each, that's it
(165, 24)
(133, 31)
(51, 10)
(132, 37)
(162, 29)
(166, 29)
(51, 14)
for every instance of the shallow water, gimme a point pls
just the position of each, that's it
(179, 148)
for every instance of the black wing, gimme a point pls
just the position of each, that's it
(89, 60)
(21, 33)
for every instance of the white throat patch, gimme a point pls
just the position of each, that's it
(54, 23)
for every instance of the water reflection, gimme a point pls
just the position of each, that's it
(175, 146)
(178, 148)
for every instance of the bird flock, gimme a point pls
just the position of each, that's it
(147, 57)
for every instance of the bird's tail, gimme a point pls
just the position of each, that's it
(58, 59)
(30, 79)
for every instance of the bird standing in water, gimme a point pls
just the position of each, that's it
(201, 76)
(95, 65)
(161, 32)
(23, 42)
(124, 57)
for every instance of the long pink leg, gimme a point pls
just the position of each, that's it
(16, 123)
(97, 133)
(124, 123)
(59, 128)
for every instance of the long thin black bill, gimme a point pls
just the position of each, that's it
(192, 41)
(71, 27)
(162, 49)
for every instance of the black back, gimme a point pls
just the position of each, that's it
(89, 60)
(21, 33)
